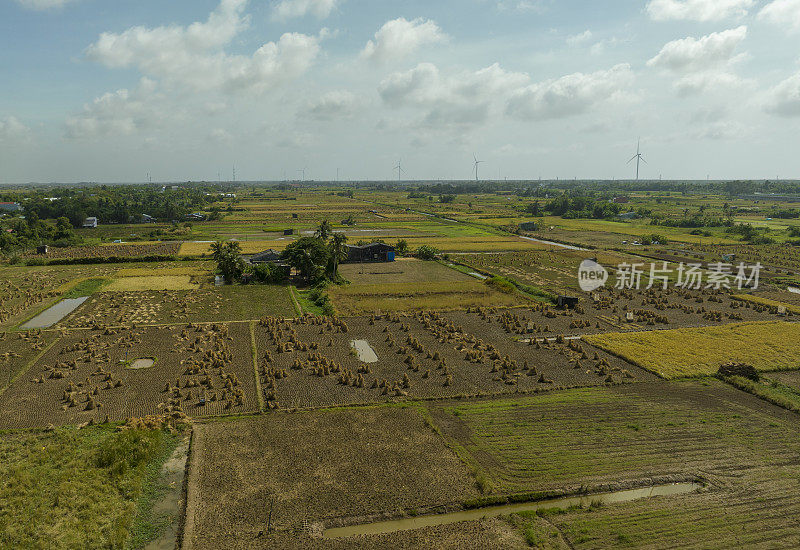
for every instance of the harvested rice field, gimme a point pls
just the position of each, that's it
(199, 370)
(314, 468)
(767, 346)
(227, 303)
(310, 362)
(744, 449)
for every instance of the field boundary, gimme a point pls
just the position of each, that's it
(297, 308)
(254, 351)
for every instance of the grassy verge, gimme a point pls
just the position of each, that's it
(86, 287)
(73, 488)
(769, 390)
(295, 303)
(148, 523)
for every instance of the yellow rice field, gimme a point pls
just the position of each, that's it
(157, 282)
(767, 346)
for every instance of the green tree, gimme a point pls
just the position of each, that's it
(426, 252)
(309, 256)
(229, 261)
(324, 230)
(401, 247)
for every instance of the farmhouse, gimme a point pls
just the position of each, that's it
(266, 257)
(90, 222)
(374, 252)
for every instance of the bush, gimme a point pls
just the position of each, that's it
(426, 252)
(127, 450)
(502, 284)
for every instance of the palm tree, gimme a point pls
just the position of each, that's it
(324, 230)
(338, 251)
(216, 249)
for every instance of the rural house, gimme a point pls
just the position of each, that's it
(373, 252)
(10, 206)
(90, 222)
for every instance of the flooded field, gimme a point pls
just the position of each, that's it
(54, 314)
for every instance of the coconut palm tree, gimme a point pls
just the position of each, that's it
(338, 252)
(324, 230)
(216, 249)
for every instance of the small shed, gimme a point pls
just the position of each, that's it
(288, 232)
(568, 302)
(90, 222)
(373, 252)
(42, 250)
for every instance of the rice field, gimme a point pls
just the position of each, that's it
(156, 282)
(768, 346)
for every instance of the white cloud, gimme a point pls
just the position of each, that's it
(43, 4)
(450, 102)
(569, 95)
(698, 10)
(333, 105)
(785, 13)
(192, 57)
(702, 63)
(784, 99)
(288, 9)
(580, 38)
(692, 54)
(119, 113)
(399, 38)
(13, 132)
(537, 6)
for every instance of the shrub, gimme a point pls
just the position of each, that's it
(502, 284)
(426, 252)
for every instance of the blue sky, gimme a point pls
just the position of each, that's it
(95, 90)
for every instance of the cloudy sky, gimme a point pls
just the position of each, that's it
(109, 90)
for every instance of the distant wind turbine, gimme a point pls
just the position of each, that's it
(477, 162)
(638, 157)
(399, 169)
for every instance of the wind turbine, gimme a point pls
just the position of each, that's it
(399, 169)
(477, 162)
(638, 157)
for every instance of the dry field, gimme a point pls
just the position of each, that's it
(228, 303)
(309, 362)
(401, 271)
(403, 297)
(773, 305)
(88, 375)
(18, 349)
(110, 251)
(768, 346)
(322, 467)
